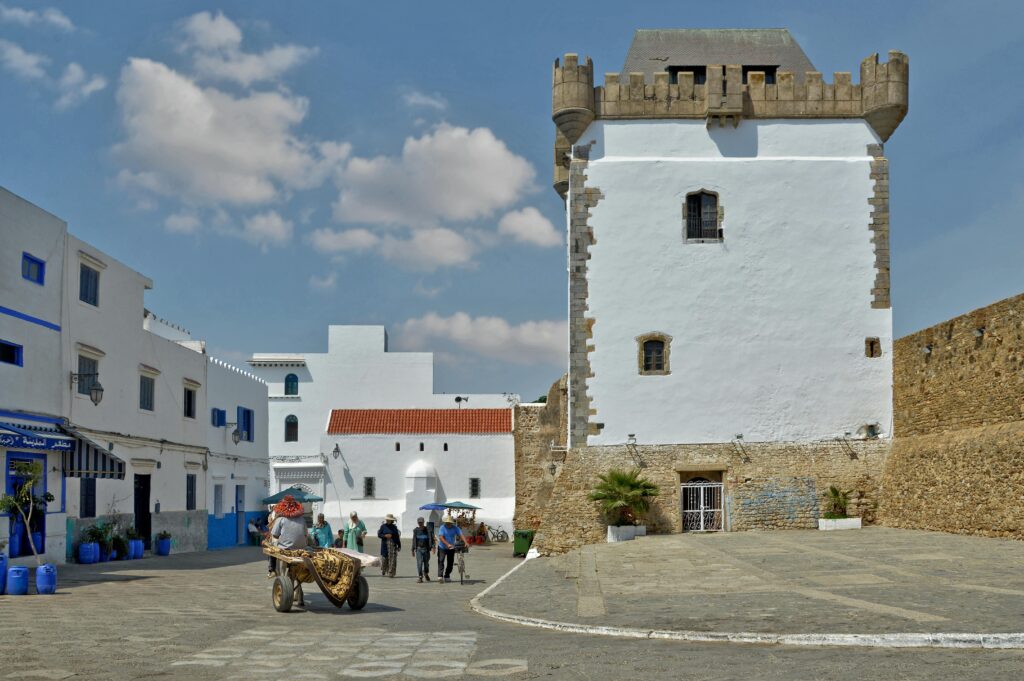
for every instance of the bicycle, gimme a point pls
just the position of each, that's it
(460, 563)
(497, 535)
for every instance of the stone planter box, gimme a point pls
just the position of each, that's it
(639, 530)
(839, 524)
(617, 533)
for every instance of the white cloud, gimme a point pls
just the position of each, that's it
(207, 146)
(182, 223)
(415, 98)
(425, 291)
(532, 342)
(428, 249)
(216, 43)
(205, 31)
(328, 282)
(27, 65)
(50, 16)
(76, 86)
(331, 241)
(448, 174)
(267, 229)
(529, 226)
(423, 250)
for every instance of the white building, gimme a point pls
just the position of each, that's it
(359, 373)
(729, 268)
(32, 379)
(139, 452)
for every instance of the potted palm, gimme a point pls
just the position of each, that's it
(836, 503)
(26, 504)
(624, 497)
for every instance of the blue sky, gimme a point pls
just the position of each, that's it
(274, 166)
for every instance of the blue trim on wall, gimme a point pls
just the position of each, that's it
(30, 417)
(28, 318)
(220, 532)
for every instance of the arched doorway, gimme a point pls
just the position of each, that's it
(701, 501)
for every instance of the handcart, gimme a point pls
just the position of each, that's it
(338, 573)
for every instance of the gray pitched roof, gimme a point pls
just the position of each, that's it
(654, 50)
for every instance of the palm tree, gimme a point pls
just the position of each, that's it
(624, 496)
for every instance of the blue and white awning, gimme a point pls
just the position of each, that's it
(89, 460)
(34, 436)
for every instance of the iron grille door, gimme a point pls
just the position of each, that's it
(702, 506)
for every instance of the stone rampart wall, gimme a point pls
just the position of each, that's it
(958, 459)
(536, 428)
(964, 373)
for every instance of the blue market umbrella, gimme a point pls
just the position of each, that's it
(433, 507)
(301, 496)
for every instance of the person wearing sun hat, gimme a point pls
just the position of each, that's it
(390, 545)
(449, 539)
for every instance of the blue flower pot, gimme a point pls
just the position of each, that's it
(14, 542)
(17, 581)
(3, 572)
(46, 579)
(88, 553)
(163, 547)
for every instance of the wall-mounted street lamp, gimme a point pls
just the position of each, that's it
(337, 450)
(95, 389)
(236, 434)
(459, 400)
(552, 468)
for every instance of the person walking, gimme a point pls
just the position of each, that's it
(354, 533)
(449, 540)
(321, 532)
(422, 547)
(390, 545)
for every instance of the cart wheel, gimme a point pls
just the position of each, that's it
(359, 593)
(282, 593)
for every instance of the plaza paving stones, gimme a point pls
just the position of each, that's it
(871, 581)
(208, 616)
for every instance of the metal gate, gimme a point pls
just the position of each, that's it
(701, 505)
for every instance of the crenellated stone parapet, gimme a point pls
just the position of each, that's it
(881, 98)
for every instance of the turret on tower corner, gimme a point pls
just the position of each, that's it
(722, 76)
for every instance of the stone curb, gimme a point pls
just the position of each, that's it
(921, 640)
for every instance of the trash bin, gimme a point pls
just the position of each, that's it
(521, 543)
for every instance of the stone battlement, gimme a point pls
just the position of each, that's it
(880, 98)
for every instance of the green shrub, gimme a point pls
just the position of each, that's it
(624, 496)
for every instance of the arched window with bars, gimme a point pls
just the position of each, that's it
(701, 214)
(291, 428)
(291, 384)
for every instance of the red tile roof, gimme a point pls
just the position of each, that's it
(367, 421)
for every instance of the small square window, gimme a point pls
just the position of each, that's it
(33, 269)
(398, 446)
(190, 403)
(421, 446)
(446, 446)
(11, 353)
(147, 386)
(89, 285)
(369, 487)
(474, 488)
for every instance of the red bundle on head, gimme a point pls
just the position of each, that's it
(288, 507)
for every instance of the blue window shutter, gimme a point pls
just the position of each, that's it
(240, 419)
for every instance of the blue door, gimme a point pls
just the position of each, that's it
(240, 537)
(38, 519)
